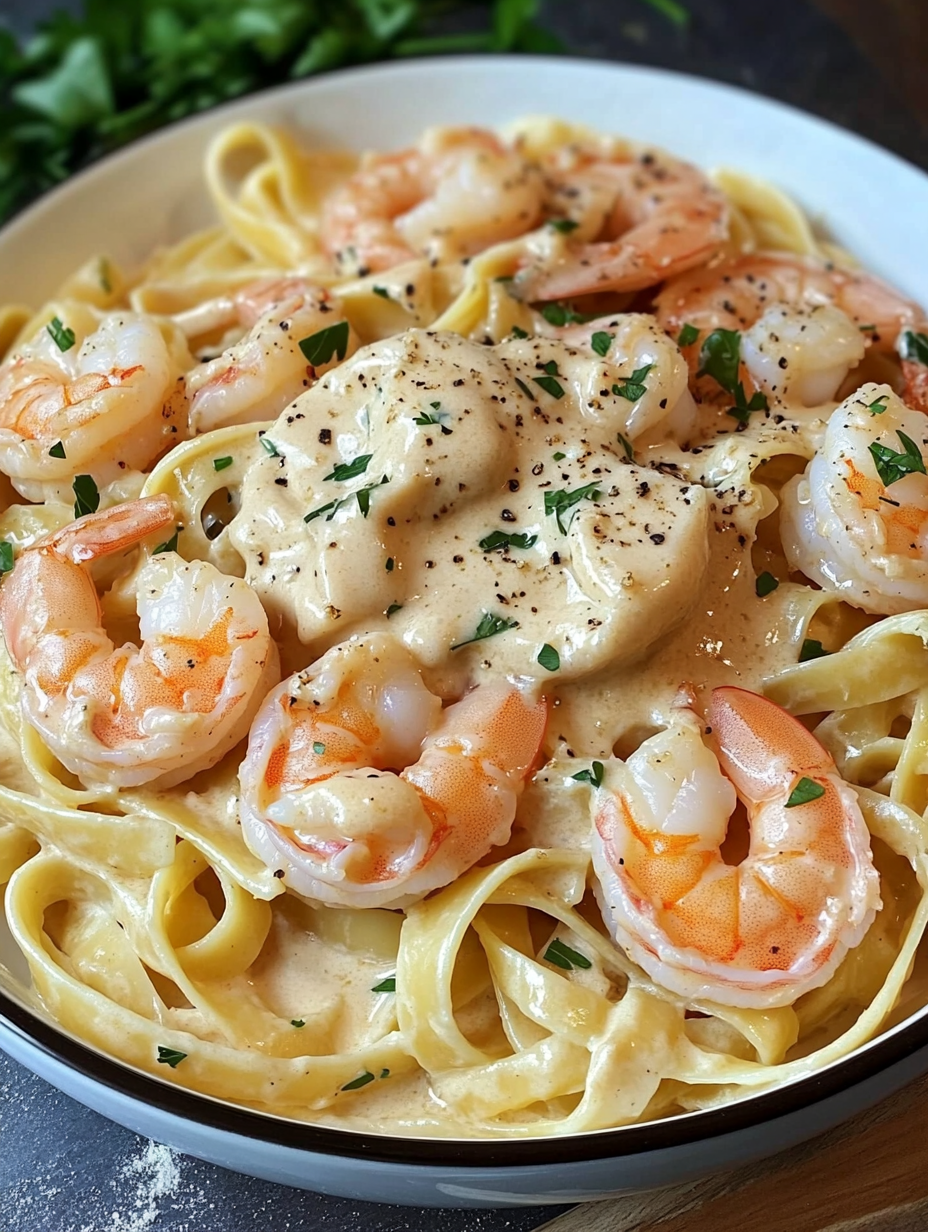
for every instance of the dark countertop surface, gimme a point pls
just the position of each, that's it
(66, 1169)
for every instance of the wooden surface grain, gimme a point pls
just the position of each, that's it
(868, 1175)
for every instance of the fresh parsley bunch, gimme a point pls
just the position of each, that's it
(84, 86)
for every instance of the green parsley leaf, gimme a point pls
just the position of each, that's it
(720, 357)
(687, 336)
(525, 389)
(320, 347)
(394, 607)
(386, 985)
(914, 346)
(6, 556)
(550, 385)
(502, 539)
(561, 955)
(601, 342)
(87, 498)
(170, 545)
(221, 464)
(318, 748)
(892, 466)
(57, 450)
(548, 658)
(361, 1081)
(593, 776)
(297, 1022)
(559, 456)
(330, 508)
(811, 649)
(562, 314)
(634, 386)
(765, 584)
(878, 405)
(560, 501)
(434, 418)
(268, 446)
(564, 225)
(381, 291)
(626, 445)
(385, 1073)
(489, 626)
(170, 1056)
(805, 791)
(63, 337)
(743, 409)
(518, 332)
(349, 470)
(364, 496)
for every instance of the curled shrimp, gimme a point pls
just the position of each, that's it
(760, 933)
(643, 217)
(450, 197)
(256, 378)
(108, 399)
(321, 796)
(848, 529)
(156, 713)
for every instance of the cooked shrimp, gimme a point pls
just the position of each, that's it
(112, 400)
(734, 293)
(457, 192)
(659, 402)
(653, 217)
(321, 796)
(802, 355)
(852, 529)
(760, 933)
(129, 715)
(259, 376)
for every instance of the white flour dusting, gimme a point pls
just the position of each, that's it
(155, 1174)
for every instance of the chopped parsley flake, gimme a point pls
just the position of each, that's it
(601, 342)
(593, 776)
(381, 291)
(559, 456)
(489, 626)
(349, 470)
(560, 501)
(297, 1022)
(518, 332)
(805, 791)
(361, 1081)
(386, 985)
(268, 446)
(720, 358)
(811, 649)
(549, 383)
(221, 464)
(57, 450)
(525, 389)
(502, 539)
(634, 386)
(394, 607)
(914, 346)
(564, 225)
(318, 748)
(892, 466)
(687, 336)
(878, 405)
(765, 584)
(170, 1056)
(626, 445)
(435, 417)
(330, 508)
(562, 314)
(320, 347)
(87, 498)
(63, 337)
(548, 658)
(169, 545)
(6, 556)
(561, 955)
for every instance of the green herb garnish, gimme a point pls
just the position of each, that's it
(765, 584)
(878, 405)
(593, 776)
(562, 314)
(220, 464)
(804, 791)
(502, 539)
(297, 1022)
(549, 382)
(435, 418)
(349, 470)
(169, 545)
(320, 347)
(720, 358)
(559, 456)
(386, 985)
(633, 387)
(892, 466)
(561, 955)
(601, 342)
(559, 502)
(6, 556)
(364, 496)
(361, 1081)
(57, 450)
(62, 336)
(394, 607)
(489, 626)
(318, 748)
(811, 649)
(564, 225)
(525, 389)
(687, 336)
(548, 658)
(381, 291)
(170, 1056)
(626, 445)
(914, 346)
(330, 508)
(268, 446)
(86, 496)
(518, 332)
(103, 273)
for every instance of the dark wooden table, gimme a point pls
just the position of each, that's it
(862, 64)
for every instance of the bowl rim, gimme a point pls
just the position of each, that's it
(55, 1043)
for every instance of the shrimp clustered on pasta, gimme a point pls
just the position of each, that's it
(466, 636)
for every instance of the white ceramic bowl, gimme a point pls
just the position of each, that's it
(873, 203)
